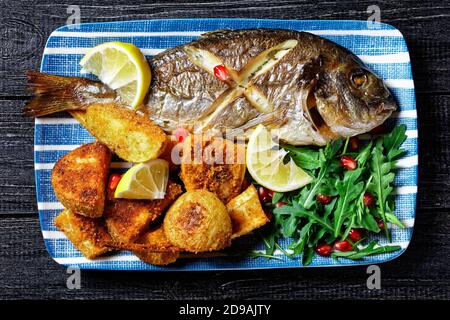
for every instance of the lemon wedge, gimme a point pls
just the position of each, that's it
(121, 66)
(265, 163)
(146, 180)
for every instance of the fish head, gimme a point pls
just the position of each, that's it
(351, 99)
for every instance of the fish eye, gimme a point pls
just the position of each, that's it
(358, 78)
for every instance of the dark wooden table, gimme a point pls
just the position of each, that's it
(26, 269)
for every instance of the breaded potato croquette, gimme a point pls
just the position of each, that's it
(246, 212)
(197, 222)
(127, 219)
(79, 179)
(213, 164)
(156, 238)
(131, 136)
(87, 234)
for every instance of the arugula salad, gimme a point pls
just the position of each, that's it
(350, 197)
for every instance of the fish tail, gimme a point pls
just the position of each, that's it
(57, 93)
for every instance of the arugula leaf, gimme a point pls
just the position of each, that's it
(298, 211)
(308, 255)
(317, 236)
(394, 140)
(299, 246)
(367, 251)
(368, 221)
(305, 158)
(382, 177)
(277, 196)
(332, 149)
(363, 155)
(325, 157)
(329, 208)
(394, 220)
(269, 239)
(257, 254)
(289, 226)
(348, 189)
(328, 187)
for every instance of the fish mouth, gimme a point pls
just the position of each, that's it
(389, 105)
(384, 109)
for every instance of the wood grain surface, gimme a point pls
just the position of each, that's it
(422, 272)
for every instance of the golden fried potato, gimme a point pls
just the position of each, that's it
(131, 136)
(79, 115)
(127, 219)
(156, 238)
(246, 212)
(213, 164)
(87, 234)
(197, 222)
(79, 179)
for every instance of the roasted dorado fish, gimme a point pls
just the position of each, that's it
(308, 89)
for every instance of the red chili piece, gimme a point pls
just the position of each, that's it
(114, 181)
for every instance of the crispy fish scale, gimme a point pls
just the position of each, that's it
(219, 169)
(198, 222)
(79, 179)
(246, 212)
(127, 219)
(87, 234)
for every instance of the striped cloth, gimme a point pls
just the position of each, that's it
(381, 47)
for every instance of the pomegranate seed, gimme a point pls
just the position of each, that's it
(378, 130)
(265, 195)
(220, 72)
(353, 144)
(114, 181)
(368, 199)
(322, 198)
(343, 246)
(180, 134)
(348, 163)
(355, 234)
(279, 204)
(245, 184)
(324, 249)
(380, 223)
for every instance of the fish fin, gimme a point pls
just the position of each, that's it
(54, 93)
(272, 120)
(216, 32)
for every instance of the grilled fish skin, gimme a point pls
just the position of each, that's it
(308, 89)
